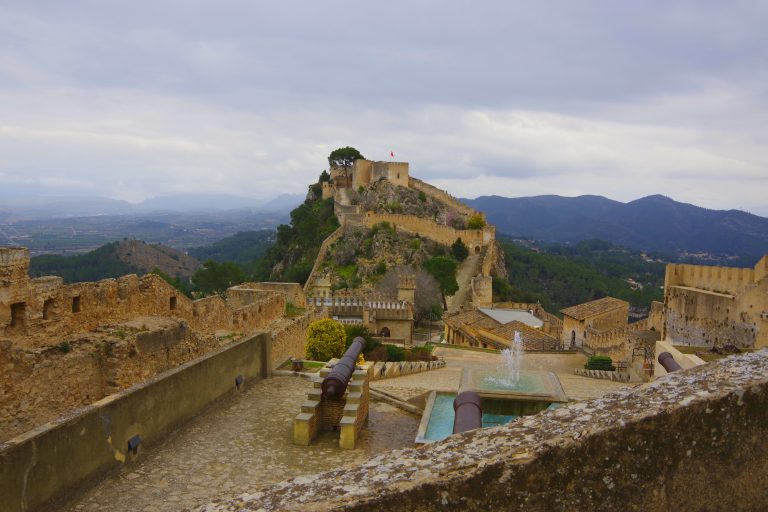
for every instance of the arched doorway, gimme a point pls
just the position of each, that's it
(477, 249)
(384, 333)
(573, 339)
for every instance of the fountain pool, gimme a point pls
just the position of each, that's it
(437, 421)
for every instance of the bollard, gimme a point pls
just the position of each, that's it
(468, 412)
(668, 362)
(335, 383)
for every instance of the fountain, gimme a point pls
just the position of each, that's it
(509, 369)
(508, 392)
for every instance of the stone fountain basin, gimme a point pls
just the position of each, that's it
(534, 386)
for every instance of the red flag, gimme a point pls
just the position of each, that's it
(392, 154)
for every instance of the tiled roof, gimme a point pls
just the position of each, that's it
(472, 318)
(533, 339)
(594, 308)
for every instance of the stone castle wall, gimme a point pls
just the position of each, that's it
(442, 196)
(38, 312)
(475, 239)
(707, 306)
(322, 255)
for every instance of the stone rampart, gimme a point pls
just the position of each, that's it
(475, 239)
(37, 312)
(725, 280)
(293, 292)
(45, 464)
(693, 440)
(442, 196)
(321, 255)
(289, 338)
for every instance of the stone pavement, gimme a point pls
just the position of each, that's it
(242, 443)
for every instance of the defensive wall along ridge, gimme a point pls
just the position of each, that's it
(442, 196)
(32, 311)
(693, 440)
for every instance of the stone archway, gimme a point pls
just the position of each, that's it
(477, 249)
(384, 332)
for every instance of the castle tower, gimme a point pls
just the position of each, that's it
(406, 288)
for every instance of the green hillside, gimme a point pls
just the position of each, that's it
(561, 276)
(101, 263)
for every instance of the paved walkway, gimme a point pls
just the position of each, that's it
(241, 445)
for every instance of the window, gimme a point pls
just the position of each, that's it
(76, 304)
(172, 303)
(49, 307)
(18, 313)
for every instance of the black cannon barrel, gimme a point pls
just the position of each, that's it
(468, 408)
(668, 362)
(335, 383)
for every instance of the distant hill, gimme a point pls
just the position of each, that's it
(115, 259)
(653, 223)
(147, 257)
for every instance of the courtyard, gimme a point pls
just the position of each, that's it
(244, 442)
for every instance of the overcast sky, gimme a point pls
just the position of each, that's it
(624, 99)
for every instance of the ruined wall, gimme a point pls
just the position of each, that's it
(693, 440)
(45, 464)
(482, 291)
(39, 312)
(289, 338)
(656, 316)
(41, 384)
(707, 306)
(293, 292)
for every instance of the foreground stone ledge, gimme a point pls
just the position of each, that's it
(693, 440)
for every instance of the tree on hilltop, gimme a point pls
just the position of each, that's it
(344, 158)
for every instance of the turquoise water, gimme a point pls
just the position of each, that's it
(528, 383)
(440, 423)
(441, 420)
(494, 420)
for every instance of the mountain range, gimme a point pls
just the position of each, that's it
(16, 207)
(652, 223)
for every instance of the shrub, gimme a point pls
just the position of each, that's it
(422, 196)
(600, 363)
(380, 268)
(395, 353)
(353, 331)
(459, 250)
(64, 347)
(476, 222)
(415, 244)
(325, 340)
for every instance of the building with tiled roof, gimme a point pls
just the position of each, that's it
(595, 316)
(496, 327)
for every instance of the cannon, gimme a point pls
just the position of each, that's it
(468, 408)
(335, 383)
(668, 362)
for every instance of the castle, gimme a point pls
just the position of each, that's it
(119, 351)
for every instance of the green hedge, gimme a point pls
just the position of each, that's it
(600, 363)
